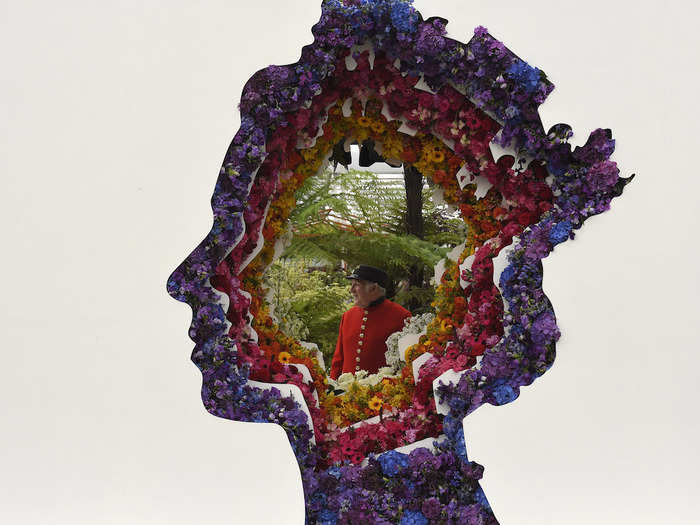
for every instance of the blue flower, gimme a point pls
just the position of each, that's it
(327, 517)
(403, 17)
(504, 393)
(524, 74)
(560, 232)
(392, 462)
(506, 276)
(480, 498)
(335, 472)
(411, 517)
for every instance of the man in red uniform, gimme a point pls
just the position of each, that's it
(365, 327)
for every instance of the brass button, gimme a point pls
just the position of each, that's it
(358, 350)
(357, 359)
(362, 335)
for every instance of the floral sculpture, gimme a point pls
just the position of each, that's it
(391, 449)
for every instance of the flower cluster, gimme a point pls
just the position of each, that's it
(363, 397)
(497, 337)
(414, 325)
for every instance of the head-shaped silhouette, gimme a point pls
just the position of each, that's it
(377, 70)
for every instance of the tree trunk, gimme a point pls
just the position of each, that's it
(413, 180)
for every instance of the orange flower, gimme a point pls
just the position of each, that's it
(284, 358)
(375, 403)
(439, 176)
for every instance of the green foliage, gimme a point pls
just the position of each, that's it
(357, 218)
(353, 218)
(307, 303)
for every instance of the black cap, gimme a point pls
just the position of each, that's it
(371, 274)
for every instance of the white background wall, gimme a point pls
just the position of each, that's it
(115, 119)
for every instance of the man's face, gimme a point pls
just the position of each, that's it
(363, 292)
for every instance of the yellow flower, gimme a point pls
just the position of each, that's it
(377, 127)
(438, 156)
(375, 403)
(284, 357)
(365, 122)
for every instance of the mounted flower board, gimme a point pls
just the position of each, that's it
(391, 448)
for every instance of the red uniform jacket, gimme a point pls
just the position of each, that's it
(362, 337)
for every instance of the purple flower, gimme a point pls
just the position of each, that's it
(431, 508)
(430, 39)
(480, 31)
(544, 329)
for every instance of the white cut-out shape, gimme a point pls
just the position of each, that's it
(291, 391)
(306, 377)
(500, 262)
(450, 143)
(463, 176)
(347, 107)
(418, 362)
(497, 150)
(359, 49)
(319, 129)
(305, 142)
(250, 333)
(250, 299)
(454, 253)
(223, 298)
(378, 147)
(304, 371)
(350, 63)
(407, 341)
(260, 243)
(439, 270)
(449, 377)
(369, 421)
(281, 244)
(397, 63)
(386, 113)
(324, 164)
(466, 265)
(407, 130)
(429, 443)
(314, 348)
(423, 86)
(482, 187)
(439, 196)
